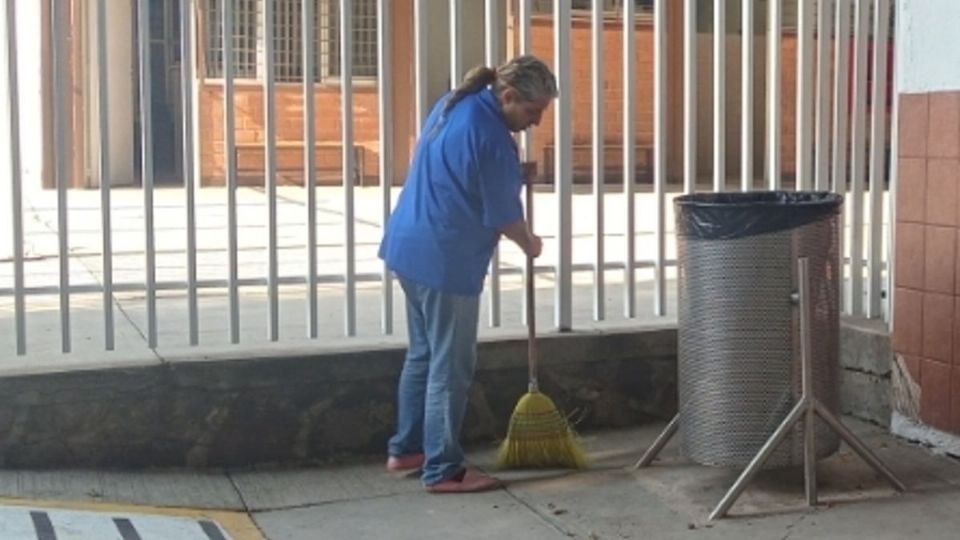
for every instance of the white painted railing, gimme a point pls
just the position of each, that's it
(828, 125)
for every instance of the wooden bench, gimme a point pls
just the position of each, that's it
(359, 172)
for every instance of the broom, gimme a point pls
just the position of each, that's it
(538, 435)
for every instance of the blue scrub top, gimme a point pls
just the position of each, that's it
(463, 186)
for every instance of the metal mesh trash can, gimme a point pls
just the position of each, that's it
(738, 357)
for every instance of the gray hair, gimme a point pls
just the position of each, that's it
(526, 74)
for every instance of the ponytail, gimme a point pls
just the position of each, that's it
(526, 74)
(475, 80)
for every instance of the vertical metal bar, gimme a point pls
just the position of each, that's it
(167, 33)
(858, 159)
(103, 127)
(878, 161)
(596, 48)
(629, 158)
(690, 45)
(525, 8)
(188, 55)
(16, 179)
(61, 142)
(270, 169)
(775, 16)
(526, 137)
(841, 119)
(230, 158)
(746, 83)
(804, 152)
(806, 378)
(386, 148)
(420, 65)
(892, 189)
(563, 180)
(491, 22)
(492, 56)
(146, 170)
(456, 43)
(841, 104)
(307, 25)
(719, 95)
(810, 456)
(346, 111)
(660, 155)
(824, 42)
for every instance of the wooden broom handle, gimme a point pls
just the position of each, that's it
(531, 297)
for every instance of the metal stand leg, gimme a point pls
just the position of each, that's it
(865, 453)
(806, 408)
(662, 440)
(757, 462)
(806, 380)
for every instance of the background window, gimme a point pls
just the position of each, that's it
(288, 39)
(612, 6)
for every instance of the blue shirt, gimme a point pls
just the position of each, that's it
(462, 187)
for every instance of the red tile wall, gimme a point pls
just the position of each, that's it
(927, 256)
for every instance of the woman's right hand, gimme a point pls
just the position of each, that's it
(534, 245)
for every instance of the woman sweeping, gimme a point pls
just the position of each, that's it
(461, 193)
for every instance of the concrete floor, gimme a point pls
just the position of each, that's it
(608, 501)
(669, 500)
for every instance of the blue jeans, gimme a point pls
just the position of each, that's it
(437, 373)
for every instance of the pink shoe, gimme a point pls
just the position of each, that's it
(408, 462)
(470, 481)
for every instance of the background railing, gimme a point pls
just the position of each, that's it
(786, 98)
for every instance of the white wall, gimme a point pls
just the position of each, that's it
(928, 45)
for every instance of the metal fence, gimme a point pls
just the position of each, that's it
(838, 145)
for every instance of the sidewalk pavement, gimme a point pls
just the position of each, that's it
(669, 500)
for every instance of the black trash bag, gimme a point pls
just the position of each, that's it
(721, 216)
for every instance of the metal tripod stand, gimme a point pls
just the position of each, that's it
(806, 409)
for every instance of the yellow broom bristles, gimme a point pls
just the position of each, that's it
(539, 437)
